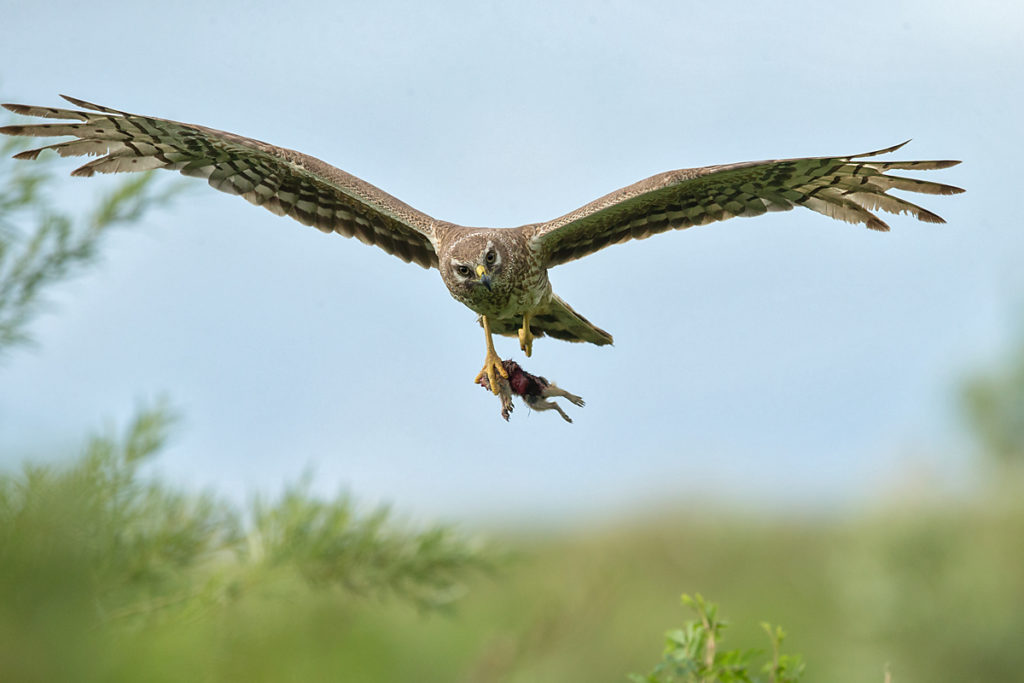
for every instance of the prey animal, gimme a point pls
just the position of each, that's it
(500, 274)
(533, 389)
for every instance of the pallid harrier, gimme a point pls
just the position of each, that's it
(501, 274)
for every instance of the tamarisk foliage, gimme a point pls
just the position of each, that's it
(93, 548)
(57, 245)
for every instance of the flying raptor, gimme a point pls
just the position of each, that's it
(500, 273)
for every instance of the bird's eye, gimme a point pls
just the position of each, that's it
(462, 270)
(491, 256)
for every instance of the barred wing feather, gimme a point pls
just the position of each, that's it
(845, 188)
(281, 180)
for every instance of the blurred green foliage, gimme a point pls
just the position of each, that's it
(94, 556)
(105, 575)
(993, 402)
(58, 245)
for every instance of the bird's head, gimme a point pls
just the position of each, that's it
(474, 268)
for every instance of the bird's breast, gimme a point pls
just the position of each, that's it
(510, 298)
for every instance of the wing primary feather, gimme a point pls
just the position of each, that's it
(46, 112)
(94, 107)
(879, 152)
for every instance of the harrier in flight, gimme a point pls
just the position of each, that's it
(500, 273)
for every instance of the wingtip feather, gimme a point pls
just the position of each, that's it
(28, 154)
(91, 105)
(877, 224)
(928, 217)
(77, 102)
(878, 152)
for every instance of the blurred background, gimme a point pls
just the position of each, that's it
(809, 422)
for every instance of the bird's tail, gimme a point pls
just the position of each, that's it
(557, 320)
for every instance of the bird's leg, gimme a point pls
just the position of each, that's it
(526, 336)
(491, 362)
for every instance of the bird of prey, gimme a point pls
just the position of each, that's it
(500, 273)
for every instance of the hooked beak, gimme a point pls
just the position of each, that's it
(485, 279)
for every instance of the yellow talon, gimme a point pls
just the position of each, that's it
(492, 364)
(526, 336)
(491, 361)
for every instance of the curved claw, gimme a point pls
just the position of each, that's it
(492, 363)
(526, 336)
(526, 341)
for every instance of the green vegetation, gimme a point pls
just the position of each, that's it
(109, 575)
(94, 556)
(105, 575)
(993, 402)
(694, 654)
(59, 245)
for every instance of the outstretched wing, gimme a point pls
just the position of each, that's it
(283, 181)
(845, 188)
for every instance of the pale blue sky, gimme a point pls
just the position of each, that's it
(787, 358)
